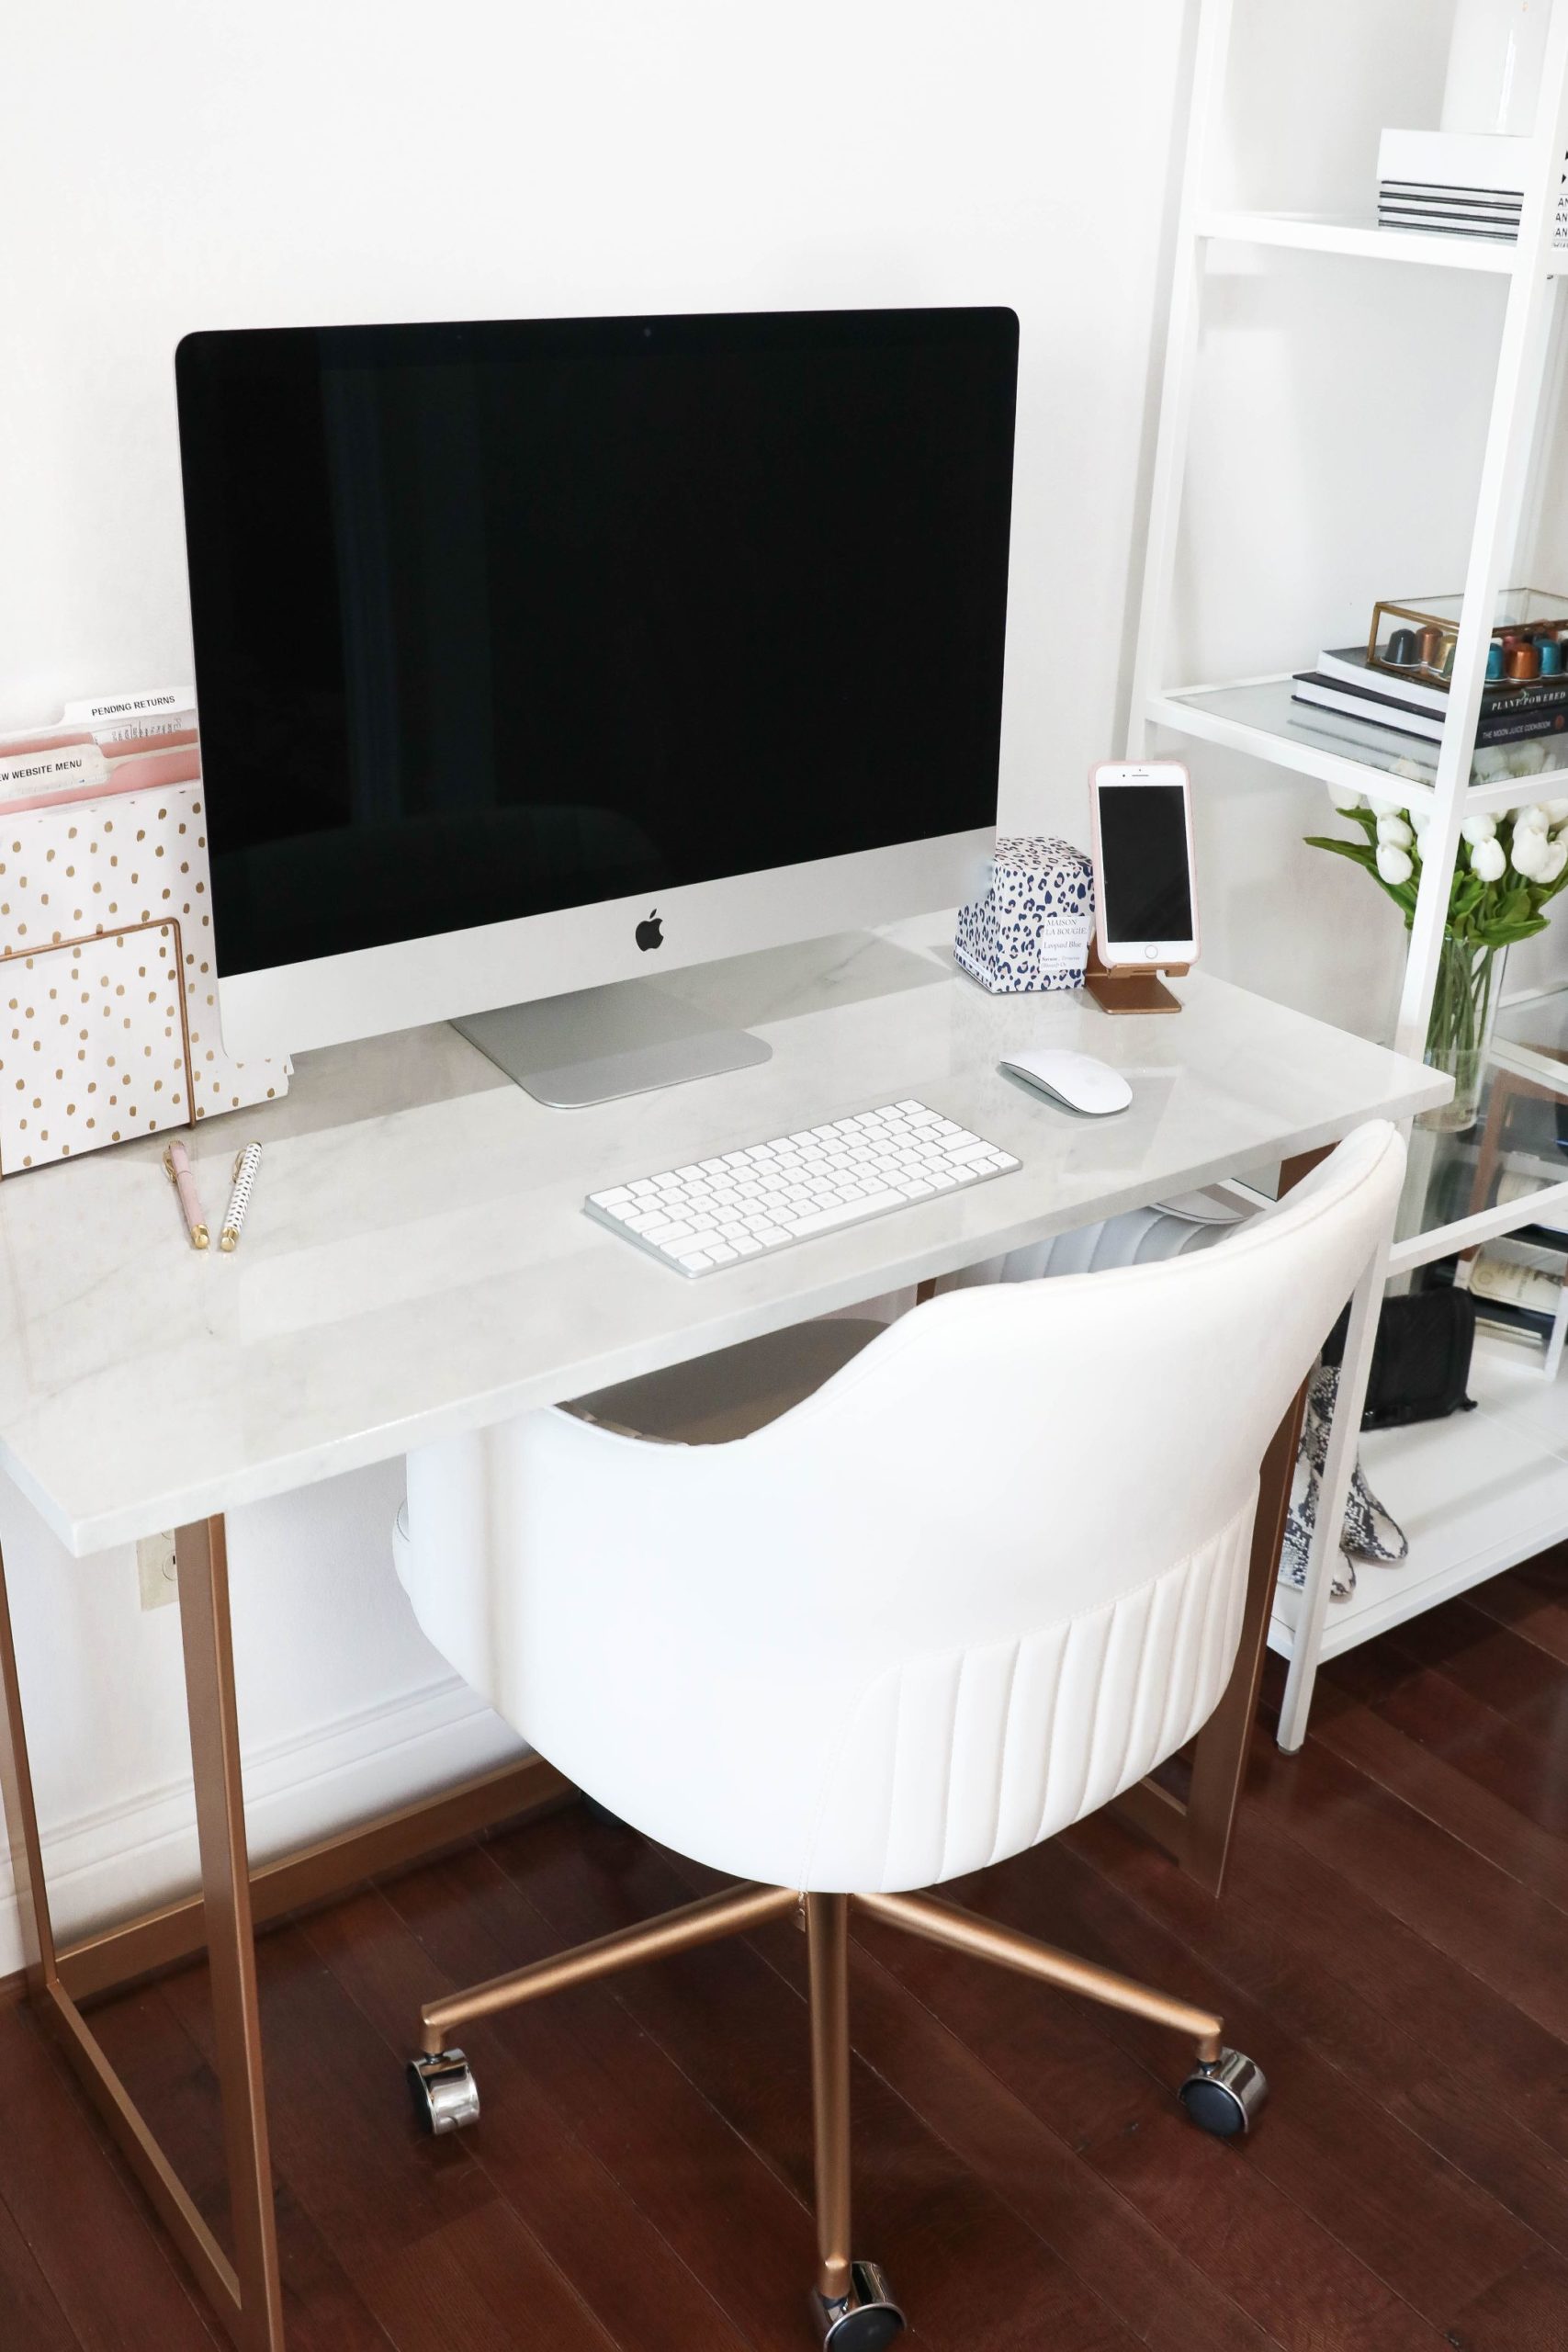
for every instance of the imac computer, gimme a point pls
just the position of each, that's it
(535, 657)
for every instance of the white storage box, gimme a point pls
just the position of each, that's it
(1030, 928)
(1460, 184)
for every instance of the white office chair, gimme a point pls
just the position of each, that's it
(882, 1606)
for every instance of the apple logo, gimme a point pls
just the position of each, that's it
(650, 932)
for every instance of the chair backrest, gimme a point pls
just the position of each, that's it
(987, 1575)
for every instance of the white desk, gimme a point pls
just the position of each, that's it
(416, 1262)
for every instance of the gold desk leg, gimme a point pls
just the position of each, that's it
(1219, 1756)
(201, 1560)
(246, 2293)
(1198, 1834)
(21, 1817)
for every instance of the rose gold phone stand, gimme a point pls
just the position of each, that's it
(1128, 988)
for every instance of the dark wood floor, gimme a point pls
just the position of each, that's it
(1393, 1946)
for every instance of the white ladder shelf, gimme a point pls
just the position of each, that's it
(1252, 715)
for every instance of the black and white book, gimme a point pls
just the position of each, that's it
(1348, 666)
(1442, 224)
(1500, 722)
(1519, 1294)
(1491, 212)
(1492, 200)
(1360, 702)
(1454, 211)
(1516, 1323)
(1362, 734)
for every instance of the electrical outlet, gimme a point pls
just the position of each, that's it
(155, 1570)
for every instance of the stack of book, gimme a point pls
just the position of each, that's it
(1493, 213)
(1517, 1283)
(1512, 710)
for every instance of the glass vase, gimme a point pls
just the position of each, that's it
(1458, 1036)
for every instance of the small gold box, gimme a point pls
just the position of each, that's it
(1418, 639)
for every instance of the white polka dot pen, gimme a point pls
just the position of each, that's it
(246, 1168)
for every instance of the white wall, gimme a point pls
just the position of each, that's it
(345, 1707)
(176, 165)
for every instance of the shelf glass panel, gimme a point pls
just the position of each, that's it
(1531, 1036)
(1261, 716)
(1518, 1149)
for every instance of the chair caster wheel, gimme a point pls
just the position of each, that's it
(863, 2320)
(445, 2096)
(1225, 2098)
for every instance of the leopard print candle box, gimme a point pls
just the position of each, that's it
(1030, 928)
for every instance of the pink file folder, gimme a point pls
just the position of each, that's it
(141, 771)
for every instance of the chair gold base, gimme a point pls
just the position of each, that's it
(732, 1912)
(851, 2302)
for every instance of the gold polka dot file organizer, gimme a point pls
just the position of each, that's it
(96, 883)
(94, 1046)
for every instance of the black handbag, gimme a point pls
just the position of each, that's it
(1420, 1357)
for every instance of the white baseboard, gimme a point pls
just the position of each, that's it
(140, 1851)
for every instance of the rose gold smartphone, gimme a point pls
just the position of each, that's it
(1145, 905)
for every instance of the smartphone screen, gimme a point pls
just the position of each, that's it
(1143, 871)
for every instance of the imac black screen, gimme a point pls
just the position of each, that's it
(495, 619)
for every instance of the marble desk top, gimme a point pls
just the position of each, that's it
(415, 1260)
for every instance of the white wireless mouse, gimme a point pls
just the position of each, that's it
(1077, 1079)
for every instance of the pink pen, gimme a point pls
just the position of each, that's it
(176, 1160)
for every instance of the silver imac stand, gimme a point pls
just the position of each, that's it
(599, 1044)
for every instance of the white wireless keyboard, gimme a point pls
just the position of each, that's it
(715, 1212)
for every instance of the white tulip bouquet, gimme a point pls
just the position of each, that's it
(1506, 869)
